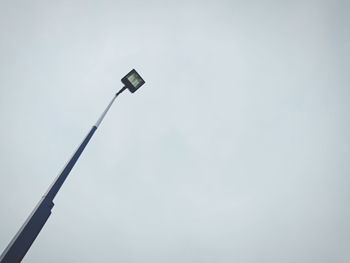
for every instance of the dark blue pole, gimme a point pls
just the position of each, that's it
(22, 241)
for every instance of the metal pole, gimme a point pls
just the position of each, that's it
(22, 241)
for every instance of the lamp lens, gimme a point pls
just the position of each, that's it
(134, 79)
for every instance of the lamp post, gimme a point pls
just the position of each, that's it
(22, 241)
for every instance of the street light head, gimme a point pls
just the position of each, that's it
(133, 81)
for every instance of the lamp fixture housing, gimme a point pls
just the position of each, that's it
(133, 81)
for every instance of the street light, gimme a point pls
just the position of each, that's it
(22, 241)
(133, 81)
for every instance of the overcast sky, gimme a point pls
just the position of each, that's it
(236, 149)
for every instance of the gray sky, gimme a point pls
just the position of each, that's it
(236, 149)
